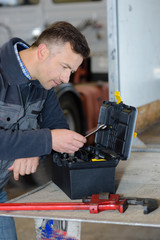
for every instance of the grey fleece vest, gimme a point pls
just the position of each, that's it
(17, 117)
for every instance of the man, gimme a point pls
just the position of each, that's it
(31, 121)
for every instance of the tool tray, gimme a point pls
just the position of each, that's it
(91, 170)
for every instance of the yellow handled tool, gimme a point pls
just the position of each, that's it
(98, 159)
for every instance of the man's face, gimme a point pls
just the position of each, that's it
(58, 65)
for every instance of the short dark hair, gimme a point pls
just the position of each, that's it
(64, 32)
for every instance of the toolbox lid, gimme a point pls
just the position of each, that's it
(117, 137)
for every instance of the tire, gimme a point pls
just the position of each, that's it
(71, 112)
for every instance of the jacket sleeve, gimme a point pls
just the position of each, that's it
(31, 143)
(24, 144)
(52, 116)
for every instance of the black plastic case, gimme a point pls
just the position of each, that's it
(91, 170)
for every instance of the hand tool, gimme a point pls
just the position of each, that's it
(102, 126)
(149, 204)
(94, 204)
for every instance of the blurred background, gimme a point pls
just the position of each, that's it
(124, 40)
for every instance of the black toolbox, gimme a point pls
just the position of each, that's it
(91, 170)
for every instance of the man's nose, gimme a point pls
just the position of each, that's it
(65, 76)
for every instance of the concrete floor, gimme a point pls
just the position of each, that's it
(93, 231)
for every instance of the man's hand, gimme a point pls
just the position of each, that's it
(67, 141)
(24, 166)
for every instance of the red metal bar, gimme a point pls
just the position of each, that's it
(96, 205)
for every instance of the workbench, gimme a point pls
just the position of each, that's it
(139, 176)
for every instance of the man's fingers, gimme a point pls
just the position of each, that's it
(68, 141)
(80, 138)
(77, 144)
(34, 166)
(10, 168)
(28, 166)
(16, 171)
(24, 166)
(33, 169)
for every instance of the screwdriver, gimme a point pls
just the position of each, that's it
(102, 126)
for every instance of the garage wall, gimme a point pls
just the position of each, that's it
(136, 50)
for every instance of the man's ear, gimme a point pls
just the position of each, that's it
(42, 52)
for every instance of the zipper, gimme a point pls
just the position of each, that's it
(15, 126)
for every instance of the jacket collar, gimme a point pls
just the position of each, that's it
(11, 69)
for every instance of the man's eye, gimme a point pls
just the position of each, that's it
(65, 67)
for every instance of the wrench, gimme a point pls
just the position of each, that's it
(102, 126)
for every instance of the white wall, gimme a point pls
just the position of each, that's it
(138, 50)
